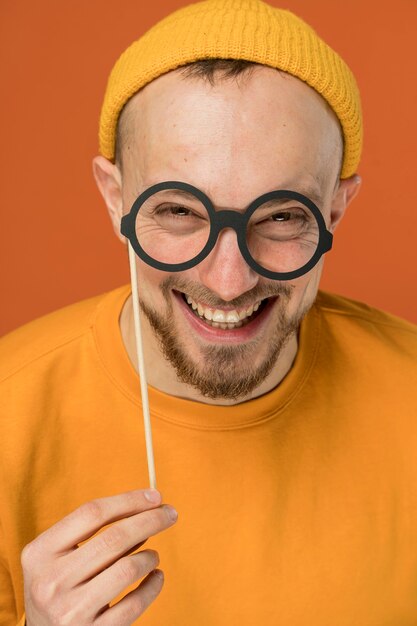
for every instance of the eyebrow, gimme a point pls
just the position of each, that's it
(310, 192)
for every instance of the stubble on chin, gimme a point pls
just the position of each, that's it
(223, 371)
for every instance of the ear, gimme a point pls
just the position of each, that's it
(109, 182)
(346, 191)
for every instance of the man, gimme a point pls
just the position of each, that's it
(283, 416)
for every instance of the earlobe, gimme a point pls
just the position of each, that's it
(109, 183)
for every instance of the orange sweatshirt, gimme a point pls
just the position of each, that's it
(296, 508)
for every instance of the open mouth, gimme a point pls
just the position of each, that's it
(227, 325)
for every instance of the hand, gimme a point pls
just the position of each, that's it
(69, 585)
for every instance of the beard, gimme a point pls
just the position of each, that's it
(223, 371)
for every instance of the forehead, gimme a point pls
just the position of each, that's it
(258, 131)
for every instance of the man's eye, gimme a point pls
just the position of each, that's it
(286, 216)
(174, 210)
(178, 212)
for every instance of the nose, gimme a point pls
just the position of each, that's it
(224, 271)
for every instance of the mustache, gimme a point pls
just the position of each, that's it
(200, 293)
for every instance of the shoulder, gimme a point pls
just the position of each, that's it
(332, 303)
(47, 334)
(362, 324)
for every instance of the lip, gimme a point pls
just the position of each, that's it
(238, 335)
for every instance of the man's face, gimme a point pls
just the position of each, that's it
(235, 141)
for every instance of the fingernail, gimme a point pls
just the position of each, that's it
(152, 495)
(171, 512)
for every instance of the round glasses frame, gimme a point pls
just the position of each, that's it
(226, 219)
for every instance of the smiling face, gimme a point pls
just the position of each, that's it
(234, 140)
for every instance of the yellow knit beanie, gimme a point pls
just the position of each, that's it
(236, 29)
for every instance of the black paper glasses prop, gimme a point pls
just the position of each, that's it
(172, 226)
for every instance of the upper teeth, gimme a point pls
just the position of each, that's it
(225, 317)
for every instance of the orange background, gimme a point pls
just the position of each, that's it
(57, 242)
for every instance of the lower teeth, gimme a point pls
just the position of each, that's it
(224, 326)
(220, 325)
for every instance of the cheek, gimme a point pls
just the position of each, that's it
(305, 289)
(149, 284)
(313, 281)
(315, 277)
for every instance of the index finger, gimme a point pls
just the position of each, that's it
(95, 515)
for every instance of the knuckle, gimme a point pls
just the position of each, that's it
(128, 569)
(138, 605)
(148, 560)
(29, 554)
(113, 539)
(26, 554)
(42, 591)
(131, 499)
(92, 511)
(156, 518)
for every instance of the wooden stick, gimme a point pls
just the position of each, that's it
(141, 364)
